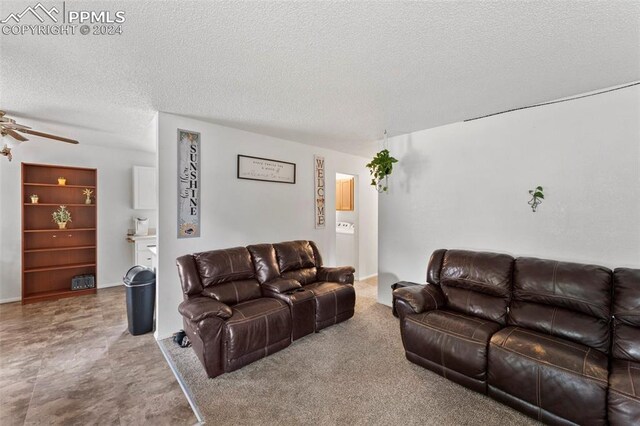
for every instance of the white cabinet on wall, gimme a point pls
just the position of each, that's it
(144, 188)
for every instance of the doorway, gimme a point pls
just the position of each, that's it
(347, 221)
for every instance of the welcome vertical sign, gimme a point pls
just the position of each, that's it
(319, 193)
(188, 184)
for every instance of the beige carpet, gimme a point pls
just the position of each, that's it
(354, 373)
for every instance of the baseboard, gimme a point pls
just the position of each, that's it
(367, 277)
(109, 285)
(10, 300)
(183, 386)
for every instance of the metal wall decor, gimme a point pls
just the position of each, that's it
(188, 184)
(266, 169)
(319, 191)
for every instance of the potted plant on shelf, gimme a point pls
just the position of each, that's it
(34, 198)
(87, 193)
(62, 181)
(380, 168)
(61, 217)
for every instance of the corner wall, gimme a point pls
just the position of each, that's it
(466, 185)
(236, 212)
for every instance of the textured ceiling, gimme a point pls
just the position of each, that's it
(333, 74)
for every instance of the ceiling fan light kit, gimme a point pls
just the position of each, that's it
(11, 135)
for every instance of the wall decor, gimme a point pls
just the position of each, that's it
(536, 198)
(188, 184)
(319, 191)
(266, 169)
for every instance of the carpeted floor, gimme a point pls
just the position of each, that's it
(354, 373)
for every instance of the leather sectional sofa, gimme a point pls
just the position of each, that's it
(242, 304)
(558, 341)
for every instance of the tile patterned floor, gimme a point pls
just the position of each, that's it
(72, 361)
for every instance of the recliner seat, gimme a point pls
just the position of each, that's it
(446, 325)
(551, 362)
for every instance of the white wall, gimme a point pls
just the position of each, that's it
(239, 212)
(466, 185)
(114, 205)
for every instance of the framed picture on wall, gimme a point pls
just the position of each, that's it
(266, 169)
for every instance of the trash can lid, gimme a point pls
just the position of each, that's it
(139, 275)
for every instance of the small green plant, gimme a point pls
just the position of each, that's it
(536, 198)
(62, 215)
(380, 169)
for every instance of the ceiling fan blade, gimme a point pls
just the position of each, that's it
(47, 135)
(15, 135)
(15, 126)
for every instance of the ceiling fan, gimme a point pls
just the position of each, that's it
(9, 128)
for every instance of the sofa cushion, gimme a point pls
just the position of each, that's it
(256, 329)
(265, 262)
(563, 323)
(624, 392)
(549, 373)
(567, 300)
(477, 283)
(334, 302)
(626, 313)
(451, 341)
(219, 266)
(294, 255)
(233, 292)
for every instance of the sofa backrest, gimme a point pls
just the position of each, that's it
(298, 260)
(227, 275)
(265, 262)
(474, 283)
(567, 300)
(626, 314)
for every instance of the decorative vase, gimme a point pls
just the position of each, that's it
(62, 181)
(34, 200)
(87, 200)
(62, 225)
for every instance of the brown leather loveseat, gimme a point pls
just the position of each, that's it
(242, 304)
(532, 333)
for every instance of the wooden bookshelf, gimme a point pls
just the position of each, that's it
(51, 257)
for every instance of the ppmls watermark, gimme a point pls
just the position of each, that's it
(58, 19)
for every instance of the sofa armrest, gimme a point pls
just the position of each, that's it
(281, 285)
(199, 308)
(340, 274)
(421, 298)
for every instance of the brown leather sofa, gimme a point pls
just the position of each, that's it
(532, 333)
(624, 374)
(242, 304)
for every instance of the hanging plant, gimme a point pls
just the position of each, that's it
(380, 169)
(536, 198)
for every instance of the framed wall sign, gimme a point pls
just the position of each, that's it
(319, 191)
(265, 169)
(188, 184)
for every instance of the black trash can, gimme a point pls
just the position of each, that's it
(141, 299)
